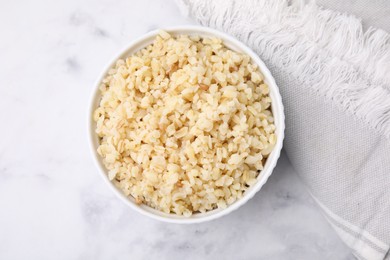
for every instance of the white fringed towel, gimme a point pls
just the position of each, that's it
(335, 82)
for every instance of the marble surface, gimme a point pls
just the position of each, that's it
(53, 203)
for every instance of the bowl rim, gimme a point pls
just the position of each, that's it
(277, 108)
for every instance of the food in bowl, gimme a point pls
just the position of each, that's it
(185, 124)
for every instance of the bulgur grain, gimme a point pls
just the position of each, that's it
(184, 124)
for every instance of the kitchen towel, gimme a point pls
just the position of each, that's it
(334, 77)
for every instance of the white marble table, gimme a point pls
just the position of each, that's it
(53, 203)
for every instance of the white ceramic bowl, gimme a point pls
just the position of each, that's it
(277, 109)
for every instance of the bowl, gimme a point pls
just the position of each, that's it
(276, 106)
